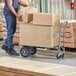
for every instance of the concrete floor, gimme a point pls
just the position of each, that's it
(46, 56)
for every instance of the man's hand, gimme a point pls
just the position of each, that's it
(22, 3)
(9, 2)
(19, 17)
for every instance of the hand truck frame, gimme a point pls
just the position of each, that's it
(25, 51)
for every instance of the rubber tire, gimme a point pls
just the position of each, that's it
(24, 51)
(32, 50)
(61, 56)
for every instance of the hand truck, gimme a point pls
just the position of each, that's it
(61, 48)
(25, 51)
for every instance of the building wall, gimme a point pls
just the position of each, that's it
(54, 6)
(59, 7)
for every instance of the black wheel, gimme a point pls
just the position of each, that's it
(32, 50)
(61, 48)
(24, 51)
(60, 56)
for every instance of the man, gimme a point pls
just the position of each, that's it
(11, 13)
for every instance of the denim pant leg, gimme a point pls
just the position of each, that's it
(14, 25)
(10, 20)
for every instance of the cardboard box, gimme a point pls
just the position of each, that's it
(70, 36)
(67, 35)
(75, 39)
(46, 19)
(0, 28)
(0, 22)
(69, 44)
(27, 13)
(1, 34)
(16, 35)
(18, 24)
(16, 40)
(74, 30)
(17, 30)
(73, 25)
(17, 67)
(67, 39)
(68, 30)
(40, 36)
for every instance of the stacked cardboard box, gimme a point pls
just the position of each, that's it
(20, 67)
(70, 36)
(27, 16)
(27, 13)
(46, 19)
(16, 35)
(4, 27)
(3, 22)
(43, 32)
(1, 31)
(2, 1)
(1, 15)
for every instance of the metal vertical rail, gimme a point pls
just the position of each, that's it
(46, 6)
(56, 7)
(60, 7)
(42, 5)
(63, 9)
(49, 4)
(52, 7)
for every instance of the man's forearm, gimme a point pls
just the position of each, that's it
(9, 2)
(13, 11)
(22, 3)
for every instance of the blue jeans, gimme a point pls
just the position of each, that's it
(11, 28)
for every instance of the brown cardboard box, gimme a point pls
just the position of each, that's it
(69, 44)
(18, 24)
(67, 35)
(17, 67)
(67, 30)
(0, 22)
(70, 36)
(17, 30)
(16, 35)
(1, 34)
(16, 40)
(40, 36)
(74, 30)
(27, 13)
(75, 39)
(67, 39)
(46, 19)
(73, 25)
(0, 28)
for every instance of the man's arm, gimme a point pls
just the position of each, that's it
(22, 3)
(9, 2)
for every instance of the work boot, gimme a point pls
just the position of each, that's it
(5, 48)
(14, 52)
(10, 51)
